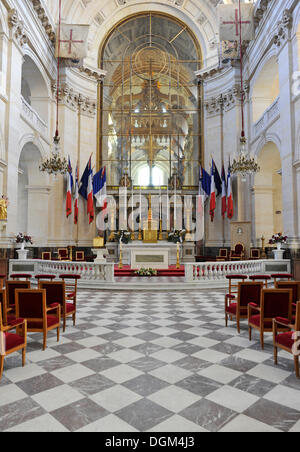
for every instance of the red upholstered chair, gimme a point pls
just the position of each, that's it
(264, 278)
(254, 253)
(46, 255)
(56, 293)
(286, 276)
(45, 277)
(63, 254)
(21, 276)
(31, 305)
(11, 287)
(12, 342)
(71, 282)
(79, 256)
(223, 254)
(274, 303)
(288, 341)
(234, 280)
(238, 253)
(295, 286)
(247, 292)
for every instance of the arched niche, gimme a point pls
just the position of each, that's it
(268, 193)
(265, 89)
(34, 88)
(32, 217)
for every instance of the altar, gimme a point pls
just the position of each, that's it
(149, 255)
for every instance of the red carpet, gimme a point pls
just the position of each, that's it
(172, 271)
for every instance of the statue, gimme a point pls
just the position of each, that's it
(3, 207)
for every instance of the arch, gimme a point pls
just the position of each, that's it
(35, 89)
(150, 60)
(31, 138)
(268, 192)
(265, 86)
(268, 138)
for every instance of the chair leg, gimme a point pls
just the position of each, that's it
(238, 323)
(23, 356)
(64, 324)
(226, 320)
(74, 319)
(250, 333)
(58, 331)
(1, 365)
(296, 361)
(275, 355)
(45, 340)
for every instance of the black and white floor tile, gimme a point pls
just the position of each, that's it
(150, 362)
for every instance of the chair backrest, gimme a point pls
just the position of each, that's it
(11, 286)
(294, 285)
(31, 303)
(255, 252)
(63, 253)
(55, 291)
(276, 303)
(80, 255)
(46, 255)
(239, 248)
(249, 292)
(297, 322)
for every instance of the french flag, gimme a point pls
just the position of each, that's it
(224, 190)
(90, 198)
(229, 195)
(99, 186)
(76, 210)
(69, 190)
(212, 194)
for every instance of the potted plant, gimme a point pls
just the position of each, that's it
(146, 272)
(123, 236)
(177, 236)
(278, 239)
(23, 239)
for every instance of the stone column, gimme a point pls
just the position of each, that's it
(38, 200)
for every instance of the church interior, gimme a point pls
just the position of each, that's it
(149, 216)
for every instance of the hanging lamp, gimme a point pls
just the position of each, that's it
(56, 164)
(244, 164)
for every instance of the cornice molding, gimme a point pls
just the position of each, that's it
(17, 27)
(74, 100)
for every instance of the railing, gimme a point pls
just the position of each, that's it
(90, 272)
(217, 271)
(269, 115)
(33, 117)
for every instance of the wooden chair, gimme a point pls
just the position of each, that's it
(223, 255)
(45, 277)
(20, 276)
(2, 280)
(288, 341)
(295, 286)
(254, 253)
(63, 254)
(247, 292)
(79, 256)
(234, 281)
(3, 303)
(46, 255)
(264, 278)
(285, 276)
(71, 284)
(31, 304)
(11, 287)
(56, 293)
(12, 342)
(274, 303)
(238, 253)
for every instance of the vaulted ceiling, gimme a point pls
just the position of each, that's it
(102, 15)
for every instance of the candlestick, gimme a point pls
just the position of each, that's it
(132, 216)
(175, 201)
(168, 213)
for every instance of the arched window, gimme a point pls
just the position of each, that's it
(150, 101)
(145, 177)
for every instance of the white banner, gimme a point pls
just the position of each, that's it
(73, 41)
(229, 22)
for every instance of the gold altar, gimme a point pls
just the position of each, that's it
(150, 227)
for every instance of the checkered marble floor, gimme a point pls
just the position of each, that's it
(150, 362)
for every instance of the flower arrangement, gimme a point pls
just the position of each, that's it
(146, 272)
(177, 236)
(278, 238)
(123, 236)
(23, 238)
